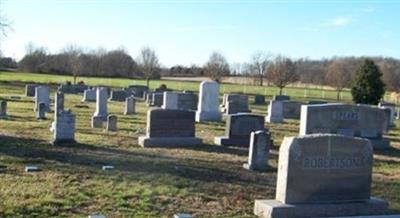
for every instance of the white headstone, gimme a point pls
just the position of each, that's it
(130, 104)
(207, 109)
(101, 103)
(42, 94)
(170, 100)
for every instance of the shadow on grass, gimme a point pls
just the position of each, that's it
(390, 152)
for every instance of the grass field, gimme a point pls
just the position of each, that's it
(206, 181)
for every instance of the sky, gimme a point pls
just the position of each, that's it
(186, 32)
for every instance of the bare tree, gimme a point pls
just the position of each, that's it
(258, 66)
(339, 76)
(217, 67)
(148, 63)
(72, 53)
(281, 72)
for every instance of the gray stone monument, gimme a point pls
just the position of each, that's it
(259, 99)
(130, 105)
(238, 129)
(207, 109)
(42, 95)
(3, 109)
(291, 109)
(111, 123)
(58, 102)
(118, 95)
(275, 112)
(236, 104)
(260, 143)
(187, 101)
(41, 112)
(64, 128)
(281, 98)
(157, 99)
(97, 122)
(169, 128)
(323, 175)
(392, 108)
(30, 90)
(363, 121)
(170, 100)
(101, 103)
(89, 95)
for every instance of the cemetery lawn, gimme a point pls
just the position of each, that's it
(206, 181)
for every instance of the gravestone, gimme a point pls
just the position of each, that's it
(187, 101)
(111, 123)
(30, 90)
(138, 91)
(291, 109)
(158, 99)
(392, 108)
(260, 143)
(72, 88)
(130, 105)
(363, 121)
(275, 112)
(58, 102)
(3, 109)
(41, 112)
(97, 122)
(101, 103)
(149, 98)
(323, 175)
(259, 99)
(281, 98)
(167, 127)
(89, 95)
(118, 95)
(207, 109)
(64, 128)
(42, 95)
(238, 129)
(236, 104)
(170, 100)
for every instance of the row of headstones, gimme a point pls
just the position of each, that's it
(137, 91)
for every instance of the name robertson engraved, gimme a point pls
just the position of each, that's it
(337, 162)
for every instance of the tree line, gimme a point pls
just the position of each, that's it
(338, 72)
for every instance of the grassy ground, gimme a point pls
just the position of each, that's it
(206, 181)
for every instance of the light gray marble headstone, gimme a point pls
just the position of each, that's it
(207, 109)
(130, 105)
(170, 100)
(42, 94)
(101, 103)
(111, 125)
(64, 128)
(41, 112)
(275, 112)
(260, 144)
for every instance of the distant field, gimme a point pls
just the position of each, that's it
(206, 180)
(179, 84)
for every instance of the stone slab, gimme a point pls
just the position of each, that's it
(146, 141)
(277, 209)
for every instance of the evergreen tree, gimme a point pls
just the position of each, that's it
(368, 87)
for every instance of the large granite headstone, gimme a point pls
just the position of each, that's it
(130, 105)
(351, 120)
(157, 99)
(42, 95)
(169, 128)
(238, 129)
(89, 95)
(260, 143)
(259, 99)
(275, 112)
(138, 91)
(118, 95)
(291, 109)
(236, 104)
(207, 109)
(187, 101)
(323, 175)
(64, 128)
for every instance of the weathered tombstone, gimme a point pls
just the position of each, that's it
(170, 100)
(281, 98)
(97, 122)
(64, 128)
(138, 91)
(42, 95)
(392, 108)
(236, 104)
(169, 128)
(323, 175)
(130, 105)
(207, 109)
(3, 109)
(30, 90)
(72, 88)
(275, 112)
(291, 109)
(58, 102)
(89, 95)
(187, 101)
(260, 143)
(351, 120)
(118, 95)
(111, 123)
(238, 129)
(158, 99)
(41, 112)
(259, 99)
(101, 103)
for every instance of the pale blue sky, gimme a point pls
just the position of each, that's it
(186, 32)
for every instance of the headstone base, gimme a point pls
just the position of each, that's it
(380, 144)
(271, 119)
(202, 116)
(146, 141)
(62, 142)
(225, 141)
(252, 168)
(277, 209)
